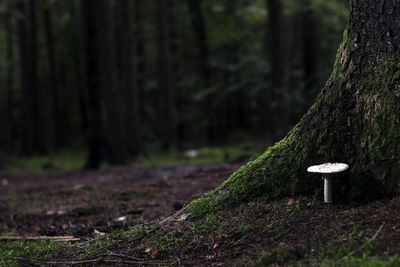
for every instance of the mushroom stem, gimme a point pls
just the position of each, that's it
(327, 189)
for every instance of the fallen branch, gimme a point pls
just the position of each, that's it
(363, 245)
(54, 238)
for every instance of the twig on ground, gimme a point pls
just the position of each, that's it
(363, 245)
(97, 260)
(113, 254)
(54, 238)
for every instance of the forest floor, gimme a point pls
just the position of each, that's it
(132, 216)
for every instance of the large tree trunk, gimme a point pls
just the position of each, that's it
(355, 119)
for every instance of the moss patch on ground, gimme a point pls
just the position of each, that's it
(22, 252)
(257, 233)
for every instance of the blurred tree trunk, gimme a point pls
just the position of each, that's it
(140, 63)
(26, 126)
(53, 79)
(10, 101)
(127, 74)
(277, 117)
(167, 111)
(78, 75)
(31, 135)
(104, 133)
(309, 43)
(276, 46)
(199, 30)
(140, 57)
(35, 95)
(202, 46)
(174, 40)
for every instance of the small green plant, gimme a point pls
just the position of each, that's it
(244, 228)
(294, 209)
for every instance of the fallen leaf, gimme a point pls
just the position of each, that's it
(216, 244)
(147, 250)
(154, 254)
(291, 201)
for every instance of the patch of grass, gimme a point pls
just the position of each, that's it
(279, 256)
(339, 249)
(204, 155)
(74, 159)
(57, 161)
(15, 252)
(134, 193)
(12, 205)
(244, 228)
(366, 261)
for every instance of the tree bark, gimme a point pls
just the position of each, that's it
(355, 120)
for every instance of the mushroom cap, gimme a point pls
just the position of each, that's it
(328, 168)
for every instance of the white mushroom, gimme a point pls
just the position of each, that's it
(328, 169)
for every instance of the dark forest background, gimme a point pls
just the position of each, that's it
(122, 78)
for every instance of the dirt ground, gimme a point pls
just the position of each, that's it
(80, 203)
(302, 231)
